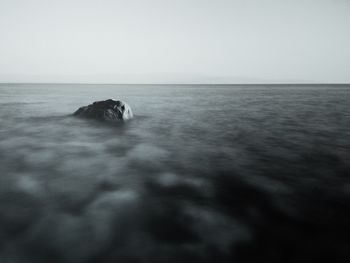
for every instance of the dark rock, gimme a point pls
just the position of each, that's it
(107, 110)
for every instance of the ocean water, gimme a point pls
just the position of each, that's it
(201, 174)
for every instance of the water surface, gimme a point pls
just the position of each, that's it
(201, 174)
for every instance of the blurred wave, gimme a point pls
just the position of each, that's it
(202, 174)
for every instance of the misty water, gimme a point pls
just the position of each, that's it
(201, 174)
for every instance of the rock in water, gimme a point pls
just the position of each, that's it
(107, 110)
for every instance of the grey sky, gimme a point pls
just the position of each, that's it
(175, 41)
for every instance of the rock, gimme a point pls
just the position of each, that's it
(107, 110)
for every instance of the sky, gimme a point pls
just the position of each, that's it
(178, 41)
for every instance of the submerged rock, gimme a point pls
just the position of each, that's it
(107, 110)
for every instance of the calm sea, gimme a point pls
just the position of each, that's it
(201, 174)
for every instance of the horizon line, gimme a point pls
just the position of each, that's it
(208, 84)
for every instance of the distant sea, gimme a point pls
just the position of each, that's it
(203, 173)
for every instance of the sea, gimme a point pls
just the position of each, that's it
(202, 173)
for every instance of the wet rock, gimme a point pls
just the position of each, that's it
(107, 110)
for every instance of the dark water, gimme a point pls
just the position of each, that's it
(202, 174)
